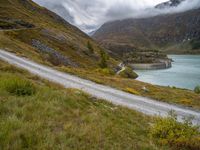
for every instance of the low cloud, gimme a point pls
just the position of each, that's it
(91, 14)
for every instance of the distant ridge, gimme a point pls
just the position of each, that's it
(172, 33)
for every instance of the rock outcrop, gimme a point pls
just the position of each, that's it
(171, 3)
(54, 56)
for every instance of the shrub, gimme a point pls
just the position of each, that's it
(132, 91)
(105, 71)
(104, 58)
(195, 44)
(197, 89)
(90, 47)
(18, 86)
(178, 135)
(187, 102)
(128, 73)
(6, 25)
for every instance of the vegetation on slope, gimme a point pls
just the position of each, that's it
(51, 117)
(195, 44)
(37, 114)
(181, 136)
(55, 118)
(17, 86)
(50, 37)
(197, 89)
(166, 94)
(14, 24)
(56, 43)
(128, 73)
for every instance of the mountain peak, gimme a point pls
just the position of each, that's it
(168, 4)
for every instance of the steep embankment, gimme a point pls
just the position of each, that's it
(173, 33)
(142, 104)
(48, 38)
(46, 116)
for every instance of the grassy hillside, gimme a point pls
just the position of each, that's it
(52, 41)
(42, 35)
(52, 117)
(37, 114)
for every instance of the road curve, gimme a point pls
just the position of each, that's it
(141, 104)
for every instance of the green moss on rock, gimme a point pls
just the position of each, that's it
(128, 73)
(197, 89)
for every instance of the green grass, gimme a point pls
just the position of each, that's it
(17, 86)
(73, 44)
(57, 118)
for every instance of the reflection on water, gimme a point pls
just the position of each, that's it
(185, 73)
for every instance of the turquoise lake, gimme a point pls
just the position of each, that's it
(185, 73)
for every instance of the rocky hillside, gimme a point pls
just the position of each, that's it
(173, 33)
(37, 33)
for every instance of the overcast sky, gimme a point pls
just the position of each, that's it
(88, 15)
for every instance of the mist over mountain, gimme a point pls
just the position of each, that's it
(90, 15)
(172, 33)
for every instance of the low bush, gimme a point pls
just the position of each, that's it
(187, 102)
(132, 91)
(128, 73)
(105, 71)
(104, 59)
(17, 86)
(181, 136)
(90, 47)
(197, 89)
(6, 25)
(195, 44)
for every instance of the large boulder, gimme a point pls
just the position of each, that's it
(128, 72)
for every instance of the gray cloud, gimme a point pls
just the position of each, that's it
(89, 15)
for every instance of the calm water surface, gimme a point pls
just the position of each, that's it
(185, 73)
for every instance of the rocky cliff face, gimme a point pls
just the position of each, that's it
(161, 32)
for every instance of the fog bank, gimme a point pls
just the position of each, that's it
(89, 15)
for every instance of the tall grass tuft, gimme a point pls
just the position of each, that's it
(17, 86)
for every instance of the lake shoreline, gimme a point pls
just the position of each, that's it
(184, 73)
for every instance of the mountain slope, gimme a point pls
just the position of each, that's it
(43, 35)
(57, 118)
(175, 33)
(37, 114)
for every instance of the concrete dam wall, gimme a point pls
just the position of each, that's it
(164, 64)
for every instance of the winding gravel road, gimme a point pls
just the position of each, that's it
(141, 104)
